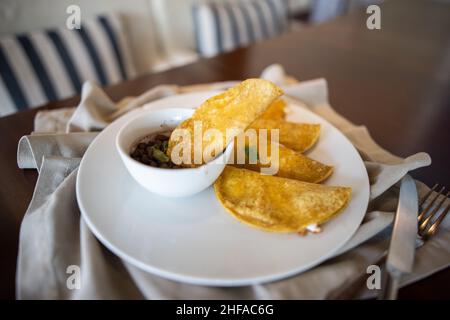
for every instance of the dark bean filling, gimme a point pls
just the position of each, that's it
(152, 150)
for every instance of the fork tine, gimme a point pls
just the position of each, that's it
(425, 223)
(432, 230)
(427, 195)
(427, 208)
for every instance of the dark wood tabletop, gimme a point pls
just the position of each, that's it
(395, 81)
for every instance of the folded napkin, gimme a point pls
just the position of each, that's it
(54, 236)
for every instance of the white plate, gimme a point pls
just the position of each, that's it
(194, 239)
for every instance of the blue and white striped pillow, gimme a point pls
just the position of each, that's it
(224, 26)
(47, 65)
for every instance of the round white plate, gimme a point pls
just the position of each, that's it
(194, 239)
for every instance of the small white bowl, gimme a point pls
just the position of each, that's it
(166, 182)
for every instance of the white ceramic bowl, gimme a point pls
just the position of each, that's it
(166, 182)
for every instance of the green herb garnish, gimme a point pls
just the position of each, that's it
(160, 155)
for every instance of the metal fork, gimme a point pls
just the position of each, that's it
(428, 221)
(429, 218)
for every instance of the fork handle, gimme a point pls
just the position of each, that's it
(353, 285)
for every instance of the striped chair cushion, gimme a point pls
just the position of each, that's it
(323, 10)
(221, 27)
(47, 65)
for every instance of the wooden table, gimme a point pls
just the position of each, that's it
(395, 81)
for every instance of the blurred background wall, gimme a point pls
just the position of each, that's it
(160, 31)
(41, 59)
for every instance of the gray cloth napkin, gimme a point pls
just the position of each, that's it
(54, 237)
